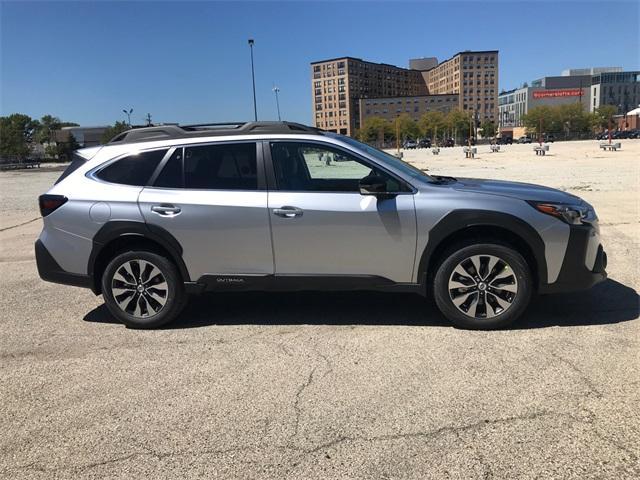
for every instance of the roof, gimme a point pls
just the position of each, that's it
(465, 52)
(169, 132)
(364, 61)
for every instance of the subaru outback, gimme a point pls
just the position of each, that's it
(163, 212)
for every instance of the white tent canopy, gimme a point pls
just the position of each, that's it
(635, 111)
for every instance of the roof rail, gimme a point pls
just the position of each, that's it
(169, 132)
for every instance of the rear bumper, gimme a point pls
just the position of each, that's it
(575, 273)
(49, 270)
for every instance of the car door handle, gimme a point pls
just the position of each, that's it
(288, 212)
(166, 210)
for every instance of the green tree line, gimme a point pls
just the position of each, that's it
(435, 125)
(19, 133)
(570, 118)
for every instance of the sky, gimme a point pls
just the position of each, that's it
(189, 62)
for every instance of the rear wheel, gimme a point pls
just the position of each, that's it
(143, 289)
(483, 286)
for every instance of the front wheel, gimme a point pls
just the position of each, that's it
(483, 286)
(143, 289)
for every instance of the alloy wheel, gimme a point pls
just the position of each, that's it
(483, 286)
(139, 288)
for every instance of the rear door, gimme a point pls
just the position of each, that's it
(213, 200)
(323, 226)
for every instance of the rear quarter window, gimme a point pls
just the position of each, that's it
(133, 170)
(76, 162)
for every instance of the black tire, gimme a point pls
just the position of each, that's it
(146, 313)
(516, 301)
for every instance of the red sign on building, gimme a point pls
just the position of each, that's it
(565, 92)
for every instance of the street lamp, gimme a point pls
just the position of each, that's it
(253, 80)
(128, 114)
(276, 90)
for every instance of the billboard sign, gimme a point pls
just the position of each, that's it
(564, 92)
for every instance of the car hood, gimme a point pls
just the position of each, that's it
(521, 191)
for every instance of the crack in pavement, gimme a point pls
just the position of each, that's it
(456, 430)
(296, 404)
(433, 433)
(586, 380)
(19, 224)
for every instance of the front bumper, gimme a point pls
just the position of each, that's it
(49, 270)
(580, 270)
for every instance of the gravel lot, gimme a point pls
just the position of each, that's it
(308, 385)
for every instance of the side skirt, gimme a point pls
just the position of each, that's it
(288, 283)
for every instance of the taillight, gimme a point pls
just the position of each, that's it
(50, 203)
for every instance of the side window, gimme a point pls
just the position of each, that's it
(229, 166)
(316, 168)
(171, 174)
(132, 170)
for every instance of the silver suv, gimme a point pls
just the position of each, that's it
(163, 212)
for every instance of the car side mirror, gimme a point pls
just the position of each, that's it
(373, 185)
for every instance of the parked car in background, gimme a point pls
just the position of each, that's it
(448, 142)
(410, 144)
(163, 212)
(424, 143)
(548, 138)
(505, 140)
(525, 139)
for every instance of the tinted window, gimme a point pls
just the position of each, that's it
(76, 163)
(230, 166)
(171, 174)
(132, 170)
(316, 168)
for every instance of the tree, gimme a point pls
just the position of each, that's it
(549, 117)
(114, 130)
(459, 122)
(375, 130)
(65, 149)
(488, 129)
(406, 126)
(432, 123)
(573, 118)
(601, 117)
(47, 125)
(16, 135)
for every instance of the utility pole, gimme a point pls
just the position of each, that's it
(398, 135)
(148, 119)
(276, 90)
(253, 80)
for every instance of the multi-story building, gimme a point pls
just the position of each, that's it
(473, 75)
(620, 89)
(610, 86)
(338, 83)
(391, 107)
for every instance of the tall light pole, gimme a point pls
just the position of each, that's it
(276, 90)
(253, 80)
(128, 114)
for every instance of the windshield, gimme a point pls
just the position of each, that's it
(388, 159)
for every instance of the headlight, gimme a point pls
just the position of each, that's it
(571, 214)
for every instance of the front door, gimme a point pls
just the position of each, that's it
(322, 225)
(210, 199)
